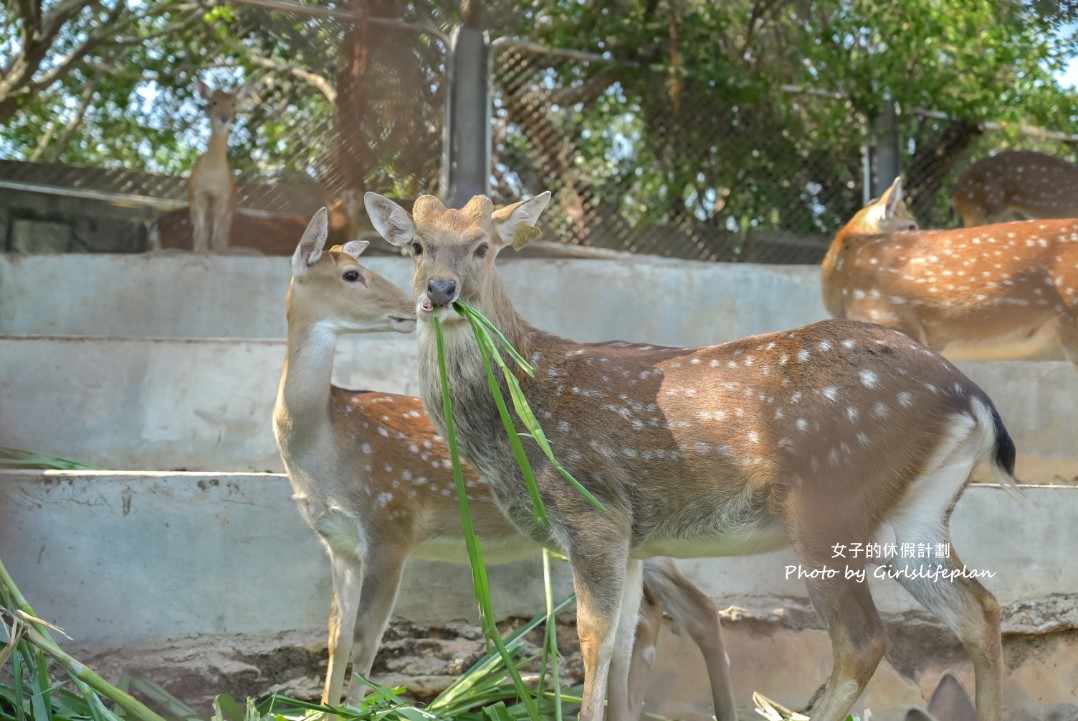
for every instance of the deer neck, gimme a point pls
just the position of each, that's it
(478, 423)
(303, 399)
(834, 274)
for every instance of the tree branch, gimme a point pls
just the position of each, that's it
(315, 80)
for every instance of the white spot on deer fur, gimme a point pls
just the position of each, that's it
(831, 393)
(868, 379)
(778, 413)
(366, 448)
(905, 398)
(802, 425)
(406, 474)
(803, 355)
(384, 498)
(824, 346)
(783, 358)
(714, 363)
(383, 432)
(563, 427)
(695, 361)
(832, 457)
(880, 410)
(754, 437)
(848, 344)
(629, 452)
(852, 413)
(795, 398)
(786, 444)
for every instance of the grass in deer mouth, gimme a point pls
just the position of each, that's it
(490, 340)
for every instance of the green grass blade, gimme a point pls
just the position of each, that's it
(473, 315)
(486, 350)
(15, 459)
(479, 579)
(524, 412)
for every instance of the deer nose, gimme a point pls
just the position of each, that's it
(441, 292)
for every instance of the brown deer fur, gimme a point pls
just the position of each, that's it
(1000, 291)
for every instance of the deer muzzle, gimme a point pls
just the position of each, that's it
(441, 292)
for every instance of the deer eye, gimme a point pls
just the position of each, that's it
(351, 275)
(417, 249)
(481, 251)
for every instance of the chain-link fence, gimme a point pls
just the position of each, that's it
(646, 161)
(666, 161)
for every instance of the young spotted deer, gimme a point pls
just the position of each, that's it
(374, 480)
(833, 433)
(1016, 184)
(991, 292)
(211, 189)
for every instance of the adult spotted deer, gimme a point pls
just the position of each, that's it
(833, 433)
(374, 481)
(1000, 291)
(211, 189)
(1016, 184)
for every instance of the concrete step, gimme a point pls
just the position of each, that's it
(166, 404)
(132, 403)
(192, 296)
(205, 562)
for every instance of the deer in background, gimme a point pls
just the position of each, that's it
(1000, 291)
(374, 480)
(1016, 184)
(211, 189)
(831, 434)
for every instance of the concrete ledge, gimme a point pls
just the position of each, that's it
(168, 404)
(199, 405)
(192, 296)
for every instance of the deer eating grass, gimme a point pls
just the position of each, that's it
(374, 481)
(835, 433)
(1016, 184)
(211, 189)
(1000, 291)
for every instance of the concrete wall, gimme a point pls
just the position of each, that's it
(172, 362)
(146, 386)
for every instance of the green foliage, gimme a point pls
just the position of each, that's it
(15, 459)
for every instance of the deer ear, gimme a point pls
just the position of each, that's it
(515, 224)
(354, 247)
(390, 220)
(310, 245)
(203, 89)
(246, 90)
(892, 197)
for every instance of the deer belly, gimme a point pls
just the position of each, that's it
(1007, 344)
(762, 538)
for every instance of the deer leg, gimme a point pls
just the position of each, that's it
(347, 582)
(1068, 337)
(968, 609)
(618, 702)
(858, 643)
(963, 604)
(200, 240)
(599, 570)
(222, 224)
(648, 625)
(693, 611)
(383, 569)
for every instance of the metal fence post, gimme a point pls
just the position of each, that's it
(466, 166)
(885, 147)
